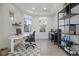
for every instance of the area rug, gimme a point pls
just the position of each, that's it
(21, 50)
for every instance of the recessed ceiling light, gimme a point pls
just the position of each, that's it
(44, 8)
(33, 8)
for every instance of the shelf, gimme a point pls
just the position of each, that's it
(68, 15)
(72, 5)
(67, 25)
(75, 43)
(67, 51)
(72, 50)
(63, 25)
(70, 34)
(17, 25)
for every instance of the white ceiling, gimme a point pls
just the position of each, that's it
(51, 8)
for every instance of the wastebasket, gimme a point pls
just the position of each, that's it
(3, 51)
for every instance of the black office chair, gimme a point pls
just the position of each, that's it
(30, 39)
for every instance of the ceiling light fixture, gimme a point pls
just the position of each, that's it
(44, 8)
(29, 11)
(33, 8)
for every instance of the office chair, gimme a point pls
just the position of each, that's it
(30, 39)
(57, 36)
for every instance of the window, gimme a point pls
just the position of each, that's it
(27, 24)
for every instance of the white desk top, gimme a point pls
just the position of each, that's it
(18, 36)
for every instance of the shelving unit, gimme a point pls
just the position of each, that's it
(66, 11)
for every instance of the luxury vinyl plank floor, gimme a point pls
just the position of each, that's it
(49, 49)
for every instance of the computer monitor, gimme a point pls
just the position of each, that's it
(18, 31)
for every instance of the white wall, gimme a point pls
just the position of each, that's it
(4, 26)
(35, 26)
(55, 15)
(5, 23)
(18, 16)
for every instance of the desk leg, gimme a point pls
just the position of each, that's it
(12, 46)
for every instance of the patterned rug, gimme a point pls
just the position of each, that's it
(21, 50)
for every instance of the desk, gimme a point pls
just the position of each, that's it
(16, 37)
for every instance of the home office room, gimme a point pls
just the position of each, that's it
(39, 29)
